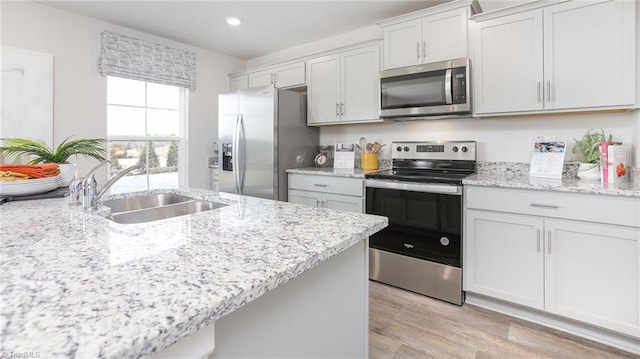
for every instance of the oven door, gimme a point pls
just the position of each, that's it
(424, 220)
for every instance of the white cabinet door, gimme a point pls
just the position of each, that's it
(323, 89)
(402, 44)
(503, 257)
(360, 87)
(444, 35)
(261, 78)
(508, 68)
(290, 75)
(588, 59)
(238, 82)
(313, 199)
(592, 274)
(343, 203)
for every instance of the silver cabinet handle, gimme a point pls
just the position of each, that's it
(424, 50)
(548, 91)
(538, 241)
(317, 203)
(543, 205)
(417, 50)
(337, 109)
(539, 88)
(549, 241)
(341, 109)
(320, 185)
(324, 204)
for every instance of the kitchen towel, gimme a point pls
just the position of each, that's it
(33, 171)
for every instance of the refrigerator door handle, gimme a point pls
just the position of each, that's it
(236, 158)
(241, 157)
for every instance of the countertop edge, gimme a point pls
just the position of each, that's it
(569, 185)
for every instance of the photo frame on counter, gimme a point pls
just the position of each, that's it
(547, 160)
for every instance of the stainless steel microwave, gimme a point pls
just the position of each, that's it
(436, 90)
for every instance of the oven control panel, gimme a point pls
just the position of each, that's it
(434, 150)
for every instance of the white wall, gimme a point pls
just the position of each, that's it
(504, 139)
(80, 92)
(365, 34)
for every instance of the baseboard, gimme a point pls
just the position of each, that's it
(583, 330)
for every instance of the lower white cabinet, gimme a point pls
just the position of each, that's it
(592, 274)
(503, 257)
(345, 194)
(586, 271)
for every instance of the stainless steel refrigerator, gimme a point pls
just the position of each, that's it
(262, 132)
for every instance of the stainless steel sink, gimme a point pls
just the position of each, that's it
(153, 207)
(144, 201)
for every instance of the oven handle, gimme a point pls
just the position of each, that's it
(415, 187)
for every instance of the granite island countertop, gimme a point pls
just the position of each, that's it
(74, 284)
(566, 184)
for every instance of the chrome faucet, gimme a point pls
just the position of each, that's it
(90, 192)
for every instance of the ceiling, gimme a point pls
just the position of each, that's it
(268, 26)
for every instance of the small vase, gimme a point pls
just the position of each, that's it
(68, 173)
(589, 171)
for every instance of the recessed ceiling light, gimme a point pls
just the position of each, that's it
(233, 21)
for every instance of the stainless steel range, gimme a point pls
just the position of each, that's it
(421, 249)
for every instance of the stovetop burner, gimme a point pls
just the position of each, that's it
(430, 162)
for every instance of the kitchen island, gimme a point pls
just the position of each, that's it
(74, 284)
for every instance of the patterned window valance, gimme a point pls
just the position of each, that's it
(136, 59)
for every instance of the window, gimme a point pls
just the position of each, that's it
(146, 126)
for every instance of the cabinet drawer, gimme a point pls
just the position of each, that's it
(327, 184)
(578, 206)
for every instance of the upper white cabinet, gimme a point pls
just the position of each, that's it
(238, 82)
(343, 87)
(507, 70)
(290, 75)
(437, 37)
(569, 56)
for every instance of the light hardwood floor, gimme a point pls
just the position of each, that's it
(405, 325)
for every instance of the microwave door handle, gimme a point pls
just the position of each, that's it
(447, 87)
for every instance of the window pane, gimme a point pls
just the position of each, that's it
(124, 155)
(163, 123)
(125, 121)
(163, 96)
(125, 92)
(163, 162)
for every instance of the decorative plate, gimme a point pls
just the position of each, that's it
(29, 186)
